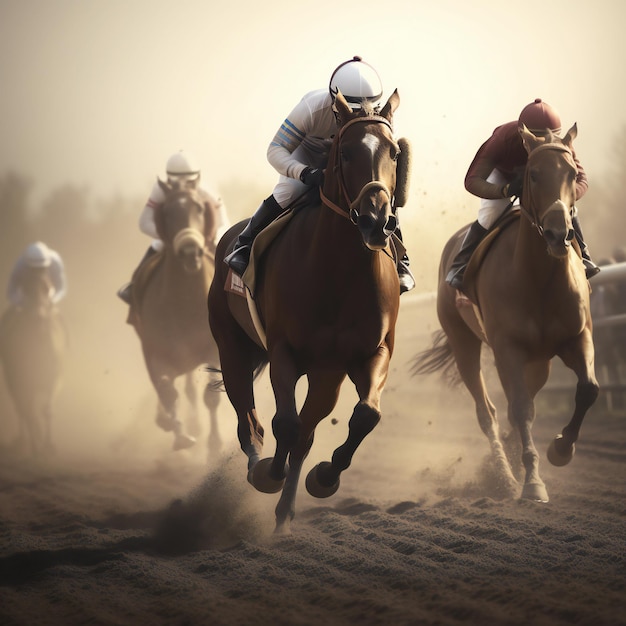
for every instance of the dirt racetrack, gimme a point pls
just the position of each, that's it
(415, 535)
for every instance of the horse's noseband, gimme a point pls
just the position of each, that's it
(366, 222)
(186, 236)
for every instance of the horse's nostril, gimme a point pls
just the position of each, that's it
(549, 236)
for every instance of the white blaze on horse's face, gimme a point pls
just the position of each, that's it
(372, 143)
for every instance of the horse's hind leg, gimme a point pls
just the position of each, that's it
(320, 400)
(211, 401)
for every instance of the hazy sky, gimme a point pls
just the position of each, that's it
(100, 92)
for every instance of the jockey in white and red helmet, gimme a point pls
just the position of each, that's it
(299, 151)
(35, 257)
(496, 175)
(181, 166)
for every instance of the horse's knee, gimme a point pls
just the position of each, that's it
(364, 418)
(286, 429)
(587, 393)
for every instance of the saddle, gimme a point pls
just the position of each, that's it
(140, 279)
(478, 256)
(467, 302)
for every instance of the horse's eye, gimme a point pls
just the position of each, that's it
(395, 154)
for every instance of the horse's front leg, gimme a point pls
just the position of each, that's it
(320, 401)
(269, 474)
(369, 379)
(167, 417)
(579, 358)
(191, 393)
(521, 383)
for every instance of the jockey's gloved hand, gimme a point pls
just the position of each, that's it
(514, 188)
(312, 177)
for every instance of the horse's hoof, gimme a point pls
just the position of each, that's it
(536, 492)
(182, 442)
(259, 477)
(557, 455)
(313, 485)
(166, 423)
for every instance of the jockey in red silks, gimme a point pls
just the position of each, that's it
(496, 175)
(299, 153)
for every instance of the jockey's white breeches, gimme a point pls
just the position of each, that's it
(491, 209)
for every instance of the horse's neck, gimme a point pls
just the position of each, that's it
(531, 259)
(175, 276)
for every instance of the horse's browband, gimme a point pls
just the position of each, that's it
(367, 118)
(550, 146)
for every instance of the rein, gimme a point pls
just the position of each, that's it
(352, 213)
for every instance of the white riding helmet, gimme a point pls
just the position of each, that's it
(38, 255)
(357, 81)
(182, 164)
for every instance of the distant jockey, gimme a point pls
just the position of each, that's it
(180, 167)
(37, 257)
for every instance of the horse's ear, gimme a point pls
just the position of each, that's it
(392, 104)
(342, 109)
(528, 139)
(164, 186)
(570, 136)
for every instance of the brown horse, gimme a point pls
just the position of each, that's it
(327, 294)
(33, 344)
(533, 298)
(169, 308)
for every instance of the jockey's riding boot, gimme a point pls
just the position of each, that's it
(238, 259)
(591, 269)
(407, 282)
(473, 237)
(125, 291)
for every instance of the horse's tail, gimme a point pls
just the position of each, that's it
(217, 382)
(438, 358)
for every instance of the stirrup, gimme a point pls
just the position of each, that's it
(124, 293)
(456, 280)
(407, 282)
(591, 269)
(238, 260)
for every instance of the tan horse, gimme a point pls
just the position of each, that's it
(533, 298)
(33, 344)
(169, 309)
(327, 293)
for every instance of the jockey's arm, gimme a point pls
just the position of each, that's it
(146, 219)
(58, 278)
(280, 150)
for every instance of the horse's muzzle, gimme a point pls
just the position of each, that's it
(557, 231)
(375, 232)
(189, 246)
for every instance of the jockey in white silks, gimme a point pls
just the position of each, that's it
(181, 166)
(37, 256)
(299, 153)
